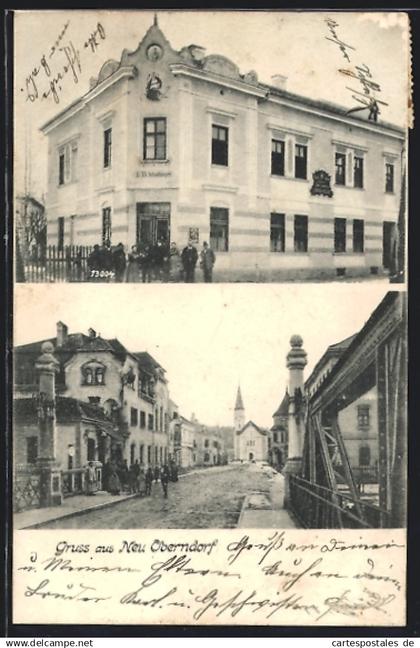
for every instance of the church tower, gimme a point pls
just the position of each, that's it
(239, 412)
(238, 420)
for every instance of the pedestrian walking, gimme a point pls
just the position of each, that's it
(149, 480)
(114, 484)
(164, 480)
(207, 261)
(132, 479)
(91, 479)
(141, 482)
(189, 261)
(119, 262)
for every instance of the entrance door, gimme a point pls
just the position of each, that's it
(251, 456)
(388, 241)
(153, 223)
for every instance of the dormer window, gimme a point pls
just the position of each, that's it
(93, 373)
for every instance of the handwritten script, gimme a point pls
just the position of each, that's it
(60, 65)
(367, 89)
(256, 577)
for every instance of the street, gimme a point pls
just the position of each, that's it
(211, 498)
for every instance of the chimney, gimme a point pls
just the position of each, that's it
(62, 334)
(92, 333)
(279, 81)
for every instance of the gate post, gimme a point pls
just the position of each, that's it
(296, 362)
(50, 482)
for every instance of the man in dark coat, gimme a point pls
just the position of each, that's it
(207, 260)
(145, 262)
(94, 263)
(119, 262)
(189, 261)
(148, 480)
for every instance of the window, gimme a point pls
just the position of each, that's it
(206, 457)
(93, 375)
(275, 437)
(106, 225)
(364, 456)
(107, 147)
(161, 454)
(358, 172)
(161, 420)
(219, 145)
(31, 449)
(132, 453)
(141, 453)
(363, 416)
(301, 233)
(154, 143)
(149, 454)
(60, 233)
(389, 177)
(277, 157)
(219, 229)
(277, 233)
(339, 234)
(301, 156)
(150, 422)
(206, 443)
(358, 235)
(133, 416)
(142, 419)
(340, 168)
(67, 163)
(61, 167)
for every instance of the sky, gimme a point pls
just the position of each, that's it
(210, 340)
(292, 44)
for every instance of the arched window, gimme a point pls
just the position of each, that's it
(364, 456)
(93, 373)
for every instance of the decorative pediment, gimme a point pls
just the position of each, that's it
(221, 65)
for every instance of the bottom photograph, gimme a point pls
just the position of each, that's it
(270, 407)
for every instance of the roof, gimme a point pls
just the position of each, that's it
(387, 303)
(147, 362)
(283, 408)
(334, 351)
(257, 427)
(239, 405)
(68, 410)
(128, 59)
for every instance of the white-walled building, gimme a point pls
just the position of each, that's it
(250, 441)
(180, 145)
(130, 389)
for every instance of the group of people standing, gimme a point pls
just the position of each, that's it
(118, 477)
(159, 262)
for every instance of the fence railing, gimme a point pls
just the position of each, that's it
(26, 490)
(318, 507)
(54, 263)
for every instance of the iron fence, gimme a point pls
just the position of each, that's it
(318, 507)
(57, 264)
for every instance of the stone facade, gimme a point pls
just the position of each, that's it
(177, 145)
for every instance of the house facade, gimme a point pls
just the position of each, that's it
(180, 145)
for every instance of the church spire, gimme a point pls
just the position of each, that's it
(239, 405)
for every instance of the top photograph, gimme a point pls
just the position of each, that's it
(223, 146)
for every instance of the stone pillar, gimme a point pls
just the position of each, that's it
(50, 483)
(296, 362)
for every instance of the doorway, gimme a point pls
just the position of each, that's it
(251, 456)
(153, 223)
